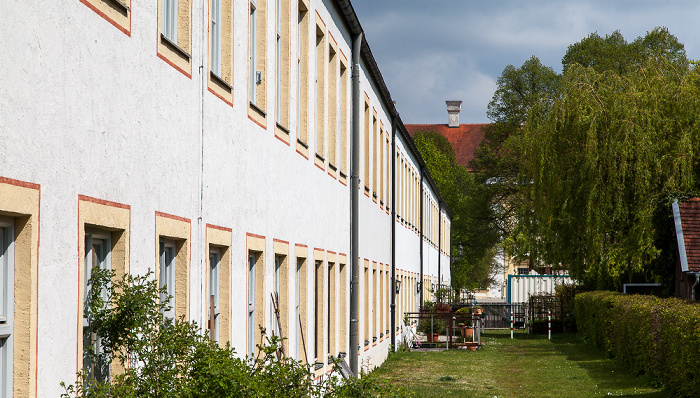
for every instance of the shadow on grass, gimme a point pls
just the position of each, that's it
(610, 374)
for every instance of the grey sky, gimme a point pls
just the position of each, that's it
(432, 51)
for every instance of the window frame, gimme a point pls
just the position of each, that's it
(167, 275)
(103, 240)
(7, 286)
(215, 259)
(216, 36)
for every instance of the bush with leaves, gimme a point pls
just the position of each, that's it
(153, 356)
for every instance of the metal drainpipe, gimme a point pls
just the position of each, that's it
(692, 289)
(203, 74)
(354, 209)
(438, 243)
(392, 292)
(420, 228)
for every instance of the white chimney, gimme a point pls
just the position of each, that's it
(453, 109)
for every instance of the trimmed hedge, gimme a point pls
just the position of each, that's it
(657, 337)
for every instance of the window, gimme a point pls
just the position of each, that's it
(381, 165)
(366, 300)
(283, 70)
(167, 267)
(381, 300)
(221, 50)
(366, 147)
(173, 263)
(343, 302)
(281, 286)
(303, 79)
(388, 174)
(320, 95)
(256, 292)
(374, 155)
(257, 86)
(318, 310)
(319, 301)
(97, 257)
(301, 320)
(214, 302)
(332, 107)
(343, 121)
(375, 296)
(252, 274)
(331, 303)
(174, 34)
(218, 276)
(104, 245)
(523, 271)
(7, 311)
(252, 53)
(116, 12)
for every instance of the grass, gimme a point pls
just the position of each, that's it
(528, 366)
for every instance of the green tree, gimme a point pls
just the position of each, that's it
(474, 220)
(612, 149)
(498, 161)
(614, 54)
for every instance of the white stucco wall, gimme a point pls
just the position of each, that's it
(88, 110)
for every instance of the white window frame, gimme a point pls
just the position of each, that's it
(166, 278)
(318, 316)
(252, 19)
(170, 8)
(103, 241)
(299, 23)
(278, 265)
(297, 317)
(216, 37)
(215, 288)
(251, 303)
(278, 104)
(7, 310)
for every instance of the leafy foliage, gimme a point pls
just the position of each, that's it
(657, 337)
(160, 357)
(601, 161)
(588, 162)
(474, 220)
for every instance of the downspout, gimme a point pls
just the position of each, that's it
(203, 75)
(354, 210)
(692, 289)
(420, 226)
(392, 291)
(438, 243)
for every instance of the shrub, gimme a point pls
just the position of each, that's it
(173, 358)
(657, 337)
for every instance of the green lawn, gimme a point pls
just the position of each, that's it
(528, 366)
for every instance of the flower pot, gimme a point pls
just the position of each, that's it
(432, 337)
(478, 311)
(467, 333)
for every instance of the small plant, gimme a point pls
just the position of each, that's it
(464, 317)
(439, 326)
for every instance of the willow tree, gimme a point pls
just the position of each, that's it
(601, 160)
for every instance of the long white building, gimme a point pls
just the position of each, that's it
(211, 143)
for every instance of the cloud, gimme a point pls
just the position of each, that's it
(429, 52)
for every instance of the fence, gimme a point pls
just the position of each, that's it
(497, 315)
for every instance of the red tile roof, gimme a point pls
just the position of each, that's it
(464, 139)
(690, 220)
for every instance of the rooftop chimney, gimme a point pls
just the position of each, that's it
(453, 109)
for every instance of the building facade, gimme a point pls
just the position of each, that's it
(210, 142)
